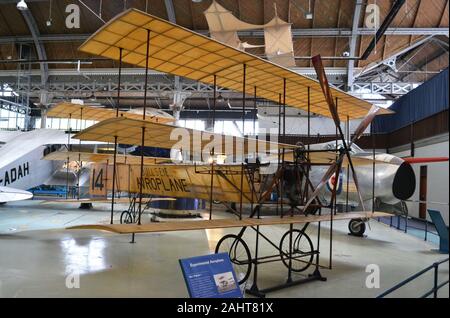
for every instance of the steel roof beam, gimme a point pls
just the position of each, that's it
(40, 50)
(251, 34)
(353, 41)
(411, 47)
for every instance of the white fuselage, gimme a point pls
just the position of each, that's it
(21, 166)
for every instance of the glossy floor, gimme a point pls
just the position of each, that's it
(38, 258)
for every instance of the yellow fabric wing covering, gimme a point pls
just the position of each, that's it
(102, 158)
(105, 200)
(330, 157)
(86, 112)
(178, 51)
(129, 131)
(223, 223)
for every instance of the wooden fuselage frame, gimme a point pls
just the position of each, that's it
(179, 180)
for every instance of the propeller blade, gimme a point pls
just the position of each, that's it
(365, 123)
(322, 77)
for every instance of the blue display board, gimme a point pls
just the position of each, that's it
(210, 276)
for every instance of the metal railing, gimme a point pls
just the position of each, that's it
(395, 221)
(436, 285)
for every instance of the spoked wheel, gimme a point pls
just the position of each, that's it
(357, 227)
(302, 250)
(126, 218)
(239, 254)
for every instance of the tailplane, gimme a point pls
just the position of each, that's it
(11, 194)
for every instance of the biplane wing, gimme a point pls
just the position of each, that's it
(129, 131)
(180, 51)
(87, 112)
(102, 158)
(223, 223)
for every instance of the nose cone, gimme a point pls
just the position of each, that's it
(404, 182)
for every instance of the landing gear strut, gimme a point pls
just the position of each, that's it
(357, 227)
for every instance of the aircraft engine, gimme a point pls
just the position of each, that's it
(394, 181)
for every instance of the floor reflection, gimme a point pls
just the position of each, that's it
(83, 255)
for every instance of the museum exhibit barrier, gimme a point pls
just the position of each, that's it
(436, 285)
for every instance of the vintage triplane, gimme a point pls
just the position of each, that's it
(304, 182)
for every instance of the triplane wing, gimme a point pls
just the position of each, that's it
(101, 158)
(99, 200)
(129, 131)
(222, 223)
(89, 112)
(180, 51)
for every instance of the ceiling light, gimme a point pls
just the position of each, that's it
(196, 1)
(22, 6)
(49, 22)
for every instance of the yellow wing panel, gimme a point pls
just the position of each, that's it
(223, 223)
(102, 158)
(86, 112)
(129, 131)
(179, 51)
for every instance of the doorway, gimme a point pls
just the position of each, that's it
(423, 192)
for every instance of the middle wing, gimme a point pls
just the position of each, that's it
(87, 112)
(102, 158)
(129, 131)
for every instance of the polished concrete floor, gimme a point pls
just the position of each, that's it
(39, 258)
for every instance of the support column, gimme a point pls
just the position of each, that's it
(348, 169)
(143, 128)
(69, 130)
(115, 139)
(212, 152)
(372, 128)
(243, 135)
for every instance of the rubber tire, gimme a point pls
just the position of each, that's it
(357, 230)
(295, 235)
(126, 218)
(247, 250)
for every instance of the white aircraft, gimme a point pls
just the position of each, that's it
(21, 167)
